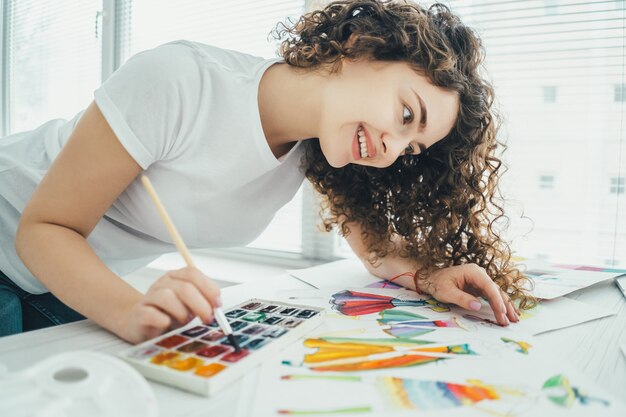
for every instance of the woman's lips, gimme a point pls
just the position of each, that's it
(371, 150)
(356, 146)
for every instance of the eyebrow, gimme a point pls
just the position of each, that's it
(424, 118)
(424, 111)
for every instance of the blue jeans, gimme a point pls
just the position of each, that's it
(21, 311)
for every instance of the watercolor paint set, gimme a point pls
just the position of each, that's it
(200, 359)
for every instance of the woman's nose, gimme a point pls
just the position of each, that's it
(393, 147)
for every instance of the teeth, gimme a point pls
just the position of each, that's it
(362, 143)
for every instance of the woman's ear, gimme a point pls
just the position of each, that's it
(343, 61)
(351, 40)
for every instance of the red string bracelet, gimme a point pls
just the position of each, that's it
(404, 274)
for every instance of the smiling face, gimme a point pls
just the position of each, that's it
(374, 112)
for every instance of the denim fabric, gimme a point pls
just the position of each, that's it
(21, 311)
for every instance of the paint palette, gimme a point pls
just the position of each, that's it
(200, 359)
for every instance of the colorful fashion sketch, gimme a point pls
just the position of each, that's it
(358, 303)
(405, 324)
(354, 354)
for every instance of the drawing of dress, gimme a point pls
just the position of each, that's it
(560, 391)
(348, 354)
(405, 393)
(406, 324)
(357, 303)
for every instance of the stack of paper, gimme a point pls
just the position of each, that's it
(385, 351)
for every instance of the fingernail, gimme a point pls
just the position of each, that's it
(218, 302)
(474, 305)
(503, 307)
(505, 319)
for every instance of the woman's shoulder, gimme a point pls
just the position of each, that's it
(223, 58)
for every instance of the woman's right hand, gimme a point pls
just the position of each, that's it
(172, 301)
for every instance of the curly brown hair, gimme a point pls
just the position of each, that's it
(444, 202)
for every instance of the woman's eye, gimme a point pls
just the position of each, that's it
(407, 115)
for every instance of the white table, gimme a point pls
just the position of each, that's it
(593, 347)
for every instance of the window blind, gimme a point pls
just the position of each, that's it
(241, 25)
(52, 60)
(556, 66)
(558, 70)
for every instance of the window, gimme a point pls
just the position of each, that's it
(534, 50)
(617, 185)
(52, 60)
(60, 51)
(551, 7)
(241, 25)
(566, 52)
(549, 94)
(546, 182)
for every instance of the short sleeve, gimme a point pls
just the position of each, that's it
(145, 100)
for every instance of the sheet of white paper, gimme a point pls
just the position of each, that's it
(548, 315)
(621, 284)
(553, 280)
(506, 370)
(345, 273)
(514, 385)
(249, 384)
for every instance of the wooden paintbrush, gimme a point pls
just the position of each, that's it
(184, 252)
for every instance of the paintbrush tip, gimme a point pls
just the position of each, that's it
(233, 341)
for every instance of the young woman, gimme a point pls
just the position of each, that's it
(379, 104)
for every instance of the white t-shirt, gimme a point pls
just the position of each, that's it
(188, 114)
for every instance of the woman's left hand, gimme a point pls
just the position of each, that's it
(461, 284)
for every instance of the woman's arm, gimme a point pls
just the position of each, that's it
(457, 284)
(91, 171)
(390, 266)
